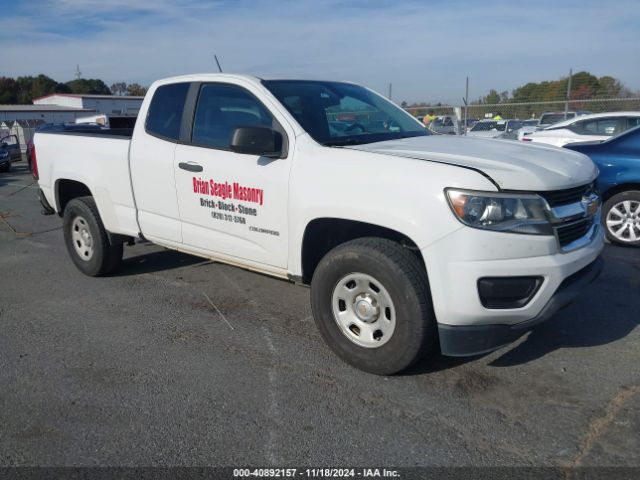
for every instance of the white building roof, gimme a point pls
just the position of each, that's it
(97, 97)
(42, 108)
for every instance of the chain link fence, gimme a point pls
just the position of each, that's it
(529, 110)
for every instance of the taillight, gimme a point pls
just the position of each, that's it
(34, 163)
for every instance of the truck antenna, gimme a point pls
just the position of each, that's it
(218, 63)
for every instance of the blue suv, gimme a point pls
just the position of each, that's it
(619, 183)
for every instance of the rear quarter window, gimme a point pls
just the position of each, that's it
(165, 111)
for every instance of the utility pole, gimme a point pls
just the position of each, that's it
(390, 87)
(466, 106)
(566, 103)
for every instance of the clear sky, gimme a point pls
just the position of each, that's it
(425, 48)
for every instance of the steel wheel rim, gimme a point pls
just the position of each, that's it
(363, 310)
(623, 221)
(82, 238)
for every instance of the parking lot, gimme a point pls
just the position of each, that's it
(176, 360)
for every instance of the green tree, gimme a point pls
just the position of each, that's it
(92, 86)
(8, 90)
(492, 97)
(29, 88)
(610, 87)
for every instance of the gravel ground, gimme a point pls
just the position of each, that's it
(141, 369)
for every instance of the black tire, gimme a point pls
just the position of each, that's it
(632, 196)
(5, 168)
(106, 257)
(403, 276)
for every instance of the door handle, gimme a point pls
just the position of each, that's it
(190, 167)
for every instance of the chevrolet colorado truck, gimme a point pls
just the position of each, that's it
(411, 243)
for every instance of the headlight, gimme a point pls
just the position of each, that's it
(505, 212)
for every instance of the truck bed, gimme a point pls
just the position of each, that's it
(95, 157)
(87, 130)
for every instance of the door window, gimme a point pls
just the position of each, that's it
(10, 140)
(223, 108)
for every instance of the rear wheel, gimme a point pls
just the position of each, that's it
(621, 218)
(5, 168)
(86, 239)
(371, 303)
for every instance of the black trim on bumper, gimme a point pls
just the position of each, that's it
(46, 208)
(466, 340)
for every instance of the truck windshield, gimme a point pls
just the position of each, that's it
(338, 114)
(551, 118)
(498, 125)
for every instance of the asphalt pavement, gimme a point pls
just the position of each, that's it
(176, 360)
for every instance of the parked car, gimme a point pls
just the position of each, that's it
(445, 125)
(619, 183)
(409, 241)
(9, 152)
(507, 129)
(598, 127)
(551, 118)
(470, 122)
(5, 159)
(528, 126)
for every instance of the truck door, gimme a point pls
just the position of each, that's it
(232, 204)
(12, 145)
(151, 160)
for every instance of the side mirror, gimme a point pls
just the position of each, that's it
(262, 141)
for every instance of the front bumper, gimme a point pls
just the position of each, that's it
(465, 340)
(456, 263)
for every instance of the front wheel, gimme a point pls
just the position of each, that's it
(621, 218)
(371, 303)
(87, 240)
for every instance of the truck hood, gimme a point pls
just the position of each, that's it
(510, 164)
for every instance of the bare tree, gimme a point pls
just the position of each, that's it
(119, 88)
(135, 89)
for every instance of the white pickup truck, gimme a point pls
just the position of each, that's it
(412, 243)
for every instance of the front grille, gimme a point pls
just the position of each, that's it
(573, 231)
(564, 197)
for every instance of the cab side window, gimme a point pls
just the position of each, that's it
(165, 111)
(223, 108)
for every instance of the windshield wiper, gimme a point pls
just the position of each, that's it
(344, 142)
